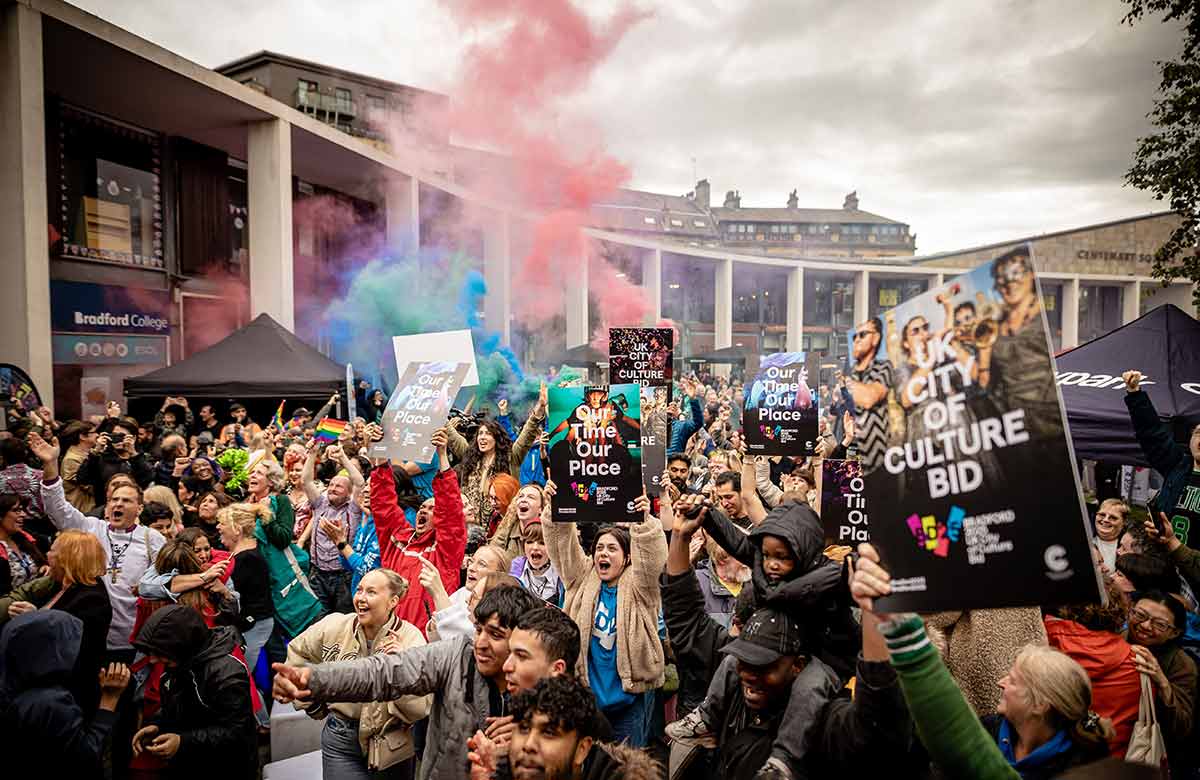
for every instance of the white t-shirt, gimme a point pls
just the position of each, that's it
(127, 555)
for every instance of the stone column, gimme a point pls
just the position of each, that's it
(862, 299)
(576, 303)
(269, 180)
(497, 273)
(652, 284)
(795, 309)
(1070, 316)
(723, 309)
(402, 195)
(1131, 296)
(25, 252)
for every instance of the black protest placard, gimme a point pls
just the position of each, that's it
(595, 453)
(779, 416)
(844, 502)
(974, 495)
(418, 407)
(640, 356)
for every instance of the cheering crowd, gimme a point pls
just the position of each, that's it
(165, 584)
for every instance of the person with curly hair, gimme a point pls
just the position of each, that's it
(492, 452)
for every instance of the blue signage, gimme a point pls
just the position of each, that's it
(77, 307)
(103, 350)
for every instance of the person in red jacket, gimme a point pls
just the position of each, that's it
(1090, 634)
(440, 535)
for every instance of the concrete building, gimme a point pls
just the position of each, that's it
(152, 205)
(363, 106)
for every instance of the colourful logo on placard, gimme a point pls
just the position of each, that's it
(935, 536)
(584, 492)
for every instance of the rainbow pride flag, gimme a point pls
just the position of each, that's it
(329, 429)
(278, 421)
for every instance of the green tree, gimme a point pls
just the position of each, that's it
(1167, 162)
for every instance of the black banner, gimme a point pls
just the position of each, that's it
(844, 503)
(780, 412)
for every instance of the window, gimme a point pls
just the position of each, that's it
(774, 228)
(1100, 308)
(376, 104)
(303, 85)
(676, 222)
(345, 105)
(111, 208)
(812, 229)
(699, 223)
(649, 220)
(741, 228)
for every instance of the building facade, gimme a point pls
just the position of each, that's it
(155, 205)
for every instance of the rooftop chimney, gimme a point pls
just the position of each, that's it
(703, 194)
(851, 202)
(793, 200)
(733, 199)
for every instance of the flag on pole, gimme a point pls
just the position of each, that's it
(329, 429)
(278, 421)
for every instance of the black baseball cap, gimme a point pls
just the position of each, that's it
(301, 412)
(236, 407)
(767, 636)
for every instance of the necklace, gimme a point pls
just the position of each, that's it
(118, 554)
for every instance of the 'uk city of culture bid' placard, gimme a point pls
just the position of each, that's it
(595, 453)
(644, 356)
(780, 413)
(419, 406)
(969, 472)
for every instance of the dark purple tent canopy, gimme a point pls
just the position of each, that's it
(1164, 344)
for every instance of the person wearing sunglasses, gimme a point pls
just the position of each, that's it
(868, 383)
(1156, 621)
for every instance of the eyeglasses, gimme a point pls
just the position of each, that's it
(1011, 275)
(1137, 615)
(919, 328)
(862, 334)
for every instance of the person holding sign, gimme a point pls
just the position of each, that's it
(492, 452)
(613, 596)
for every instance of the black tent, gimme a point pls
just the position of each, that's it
(262, 360)
(1164, 344)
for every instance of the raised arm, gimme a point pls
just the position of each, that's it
(308, 475)
(648, 551)
(529, 433)
(728, 536)
(448, 520)
(385, 676)
(54, 502)
(758, 491)
(1155, 438)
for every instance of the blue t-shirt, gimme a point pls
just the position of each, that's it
(423, 482)
(603, 677)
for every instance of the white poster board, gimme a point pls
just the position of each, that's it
(453, 346)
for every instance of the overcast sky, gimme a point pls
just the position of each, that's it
(974, 121)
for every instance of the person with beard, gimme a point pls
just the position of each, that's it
(172, 460)
(523, 511)
(129, 548)
(335, 513)
(612, 595)
(868, 385)
(467, 676)
(206, 709)
(557, 738)
(438, 535)
(679, 469)
(115, 452)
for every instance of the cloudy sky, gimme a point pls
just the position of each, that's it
(972, 120)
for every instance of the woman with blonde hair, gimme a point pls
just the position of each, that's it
(251, 577)
(373, 738)
(77, 563)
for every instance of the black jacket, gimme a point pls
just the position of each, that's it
(1170, 459)
(206, 698)
(39, 716)
(817, 593)
(696, 639)
(99, 467)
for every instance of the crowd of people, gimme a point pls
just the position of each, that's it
(164, 585)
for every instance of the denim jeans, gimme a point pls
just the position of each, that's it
(255, 639)
(342, 758)
(631, 724)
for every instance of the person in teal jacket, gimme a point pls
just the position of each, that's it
(296, 606)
